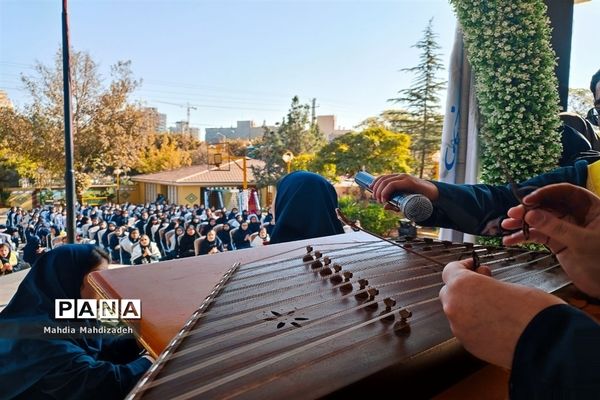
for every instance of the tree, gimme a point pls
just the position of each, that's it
(296, 133)
(8, 174)
(269, 150)
(107, 130)
(580, 101)
(375, 149)
(303, 162)
(238, 147)
(164, 154)
(11, 124)
(422, 119)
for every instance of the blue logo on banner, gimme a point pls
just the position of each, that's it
(450, 162)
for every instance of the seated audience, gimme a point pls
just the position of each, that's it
(10, 261)
(241, 237)
(186, 242)
(33, 249)
(173, 243)
(114, 244)
(127, 245)
(253, 224)
(212, 222)
(145, 251)
(232, 214)
(261, 239)
(211, 244)
(270, 226)
(110, 228)
(224, 235)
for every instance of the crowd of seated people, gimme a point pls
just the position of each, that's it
(135, 234)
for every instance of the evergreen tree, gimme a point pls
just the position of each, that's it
(296, 133)
(270, 150)
(422, 119)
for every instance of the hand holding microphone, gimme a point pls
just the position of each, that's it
(403, 192)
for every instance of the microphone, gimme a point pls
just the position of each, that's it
(415, 207)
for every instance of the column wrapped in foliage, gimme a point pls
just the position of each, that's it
(508, 46)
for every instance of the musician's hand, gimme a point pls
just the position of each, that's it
(488, 316)
(567, 220)
(386, 185)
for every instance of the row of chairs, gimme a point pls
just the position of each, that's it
(166, 243)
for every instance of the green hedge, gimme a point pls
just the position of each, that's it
(508, 46)
(372, 216)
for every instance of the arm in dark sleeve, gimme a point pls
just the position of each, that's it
(21, 265)
(86, 378)
(113, 241)
(479, 209)
(119, 350)
(238, 241)
(557, 356)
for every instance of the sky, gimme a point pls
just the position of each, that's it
(246, 59)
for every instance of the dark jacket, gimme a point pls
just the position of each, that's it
(73, 366)
(239, 238)
(557, 357)
(30, 254)
(225, 237)
(206, 246)
(186, 246)
(479, 209)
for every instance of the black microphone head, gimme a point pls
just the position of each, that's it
(417, 207)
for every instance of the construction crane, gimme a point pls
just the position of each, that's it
(188, 107)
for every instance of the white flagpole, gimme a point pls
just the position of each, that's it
(450, 156)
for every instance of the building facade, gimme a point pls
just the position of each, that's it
(327, 126)
(182, 127)
(201, 184)
(155, 121)
(246, 130)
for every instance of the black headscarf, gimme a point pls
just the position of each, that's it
(296, 193)
(58, 274)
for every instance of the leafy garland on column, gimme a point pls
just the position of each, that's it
(508, 46)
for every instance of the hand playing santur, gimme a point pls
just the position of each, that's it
(486, 315)
(566, 218)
